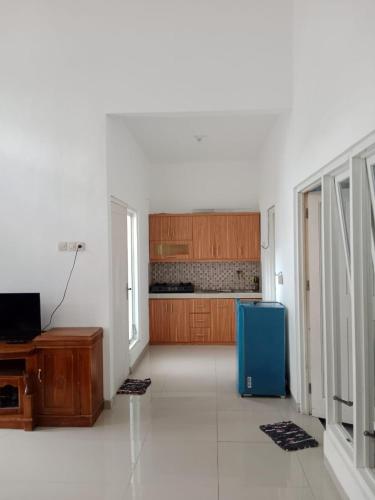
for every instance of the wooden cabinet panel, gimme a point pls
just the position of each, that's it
(244, 236)
(59, 382)
(201, 335)
(183, 321)
(169, 321)
(70, 376)
(159, 321)
(170, 227)
(179, 323)
(223, 320)
(210, 237)
(200, 320)
(199, 305)
(171, 251)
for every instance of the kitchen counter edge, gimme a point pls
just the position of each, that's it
(207, 295)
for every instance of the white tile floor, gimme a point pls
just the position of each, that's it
(189, 437)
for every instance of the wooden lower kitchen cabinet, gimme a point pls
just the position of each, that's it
(169, 321)
(223, 320)
(194, 321)
(70, 376)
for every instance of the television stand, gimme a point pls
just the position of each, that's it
(17, 391)
(55, 380)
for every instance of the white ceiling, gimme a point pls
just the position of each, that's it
(170, 138)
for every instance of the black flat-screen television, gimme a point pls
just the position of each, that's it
(19, 316)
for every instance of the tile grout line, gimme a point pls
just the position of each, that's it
(306, 477)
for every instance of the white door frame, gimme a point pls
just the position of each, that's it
(112, 199)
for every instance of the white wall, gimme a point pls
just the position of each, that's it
(184, 187)
(128, 180)
(64, 65)
(333, 107)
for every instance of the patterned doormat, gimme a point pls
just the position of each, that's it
(289, 436)
(134, 386)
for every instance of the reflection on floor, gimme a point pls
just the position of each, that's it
(189, 437)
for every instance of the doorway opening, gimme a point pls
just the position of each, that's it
(312, 257)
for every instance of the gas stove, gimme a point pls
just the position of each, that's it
(172, 288)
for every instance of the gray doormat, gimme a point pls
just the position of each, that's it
(134, 386)
(289, 436)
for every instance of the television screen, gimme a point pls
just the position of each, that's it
(19, 316)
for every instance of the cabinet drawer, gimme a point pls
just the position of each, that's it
(200, 306)
(200, 320)
(200, 334)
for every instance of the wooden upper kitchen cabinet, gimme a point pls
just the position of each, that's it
(169, 322)
(244, 236)
(210, 237)
(171, 227)
(170, 238)
(205, 237)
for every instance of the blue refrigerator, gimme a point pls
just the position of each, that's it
(261, 348)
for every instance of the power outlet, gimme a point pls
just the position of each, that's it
(71, 246)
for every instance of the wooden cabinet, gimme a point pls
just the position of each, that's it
(205, 237)
(196, 321)
(244, 236)
(70, 376)
(171, 251)
(169, 321)
(170, 238)
(170, 227)
(223, 320)
(210, 237)
(59, 382)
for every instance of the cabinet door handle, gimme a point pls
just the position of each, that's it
(370, 434)
(40, 375)
(343, 401)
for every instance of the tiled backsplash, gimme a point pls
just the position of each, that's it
(207, 275)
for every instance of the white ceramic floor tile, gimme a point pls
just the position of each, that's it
(44, 490)
(259, 464)
(39, 456)
(230, 491)
(177, 460)
(196, 426)
(173, 490)
(191, 436)
(320, 481)
(243, 426)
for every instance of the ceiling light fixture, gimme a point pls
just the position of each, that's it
(199, 138)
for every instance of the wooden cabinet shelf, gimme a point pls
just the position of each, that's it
(194, 321)
(205, 237)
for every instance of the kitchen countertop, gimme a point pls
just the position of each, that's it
(207, 295)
